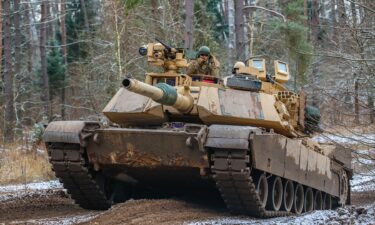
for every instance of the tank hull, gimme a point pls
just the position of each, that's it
(232, 158)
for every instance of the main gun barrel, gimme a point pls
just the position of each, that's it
(161, 93)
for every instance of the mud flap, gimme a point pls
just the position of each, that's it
(229, 137)
(68, 131)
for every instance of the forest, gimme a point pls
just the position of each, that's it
(65, 59)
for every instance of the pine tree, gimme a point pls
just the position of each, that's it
(56, 71)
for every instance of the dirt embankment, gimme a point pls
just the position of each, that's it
(165, 211)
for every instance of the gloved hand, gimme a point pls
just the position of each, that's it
(201, 61)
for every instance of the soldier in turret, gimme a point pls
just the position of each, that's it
(205, 64)
(235, 71)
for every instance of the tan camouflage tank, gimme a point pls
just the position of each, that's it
(248, 139)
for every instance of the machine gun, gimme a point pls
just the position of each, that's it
(162, 55)
(168, 48)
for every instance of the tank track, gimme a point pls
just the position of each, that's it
(70, 167)
(231, 172)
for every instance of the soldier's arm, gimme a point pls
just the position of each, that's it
(191, 69)
(215, 71)
(215, 67)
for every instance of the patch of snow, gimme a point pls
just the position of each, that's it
(9, 196)
(346, 215)
(342, 139)
(363, 161)
(53, 184)
(363, 182)
(41, 151)
(9, 192)
(316, 217)
(60, 220)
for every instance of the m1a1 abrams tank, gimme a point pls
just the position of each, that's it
(246, 138)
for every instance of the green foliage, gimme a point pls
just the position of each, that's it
(56, 71)
(130, 4)
(210, 26)
(77, 35)
(36, 135)
(296, 36)
(296, 39)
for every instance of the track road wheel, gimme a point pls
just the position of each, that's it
(262, 189)
(288, 196)
(327, 201)
(309, 200)
(275, 191)
(298, 199)
(318, 200)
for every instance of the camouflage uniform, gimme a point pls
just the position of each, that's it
(211, 67)
(199, 66)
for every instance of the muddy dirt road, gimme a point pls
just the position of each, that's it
(53, 206)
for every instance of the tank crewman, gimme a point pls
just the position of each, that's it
(237, 66)
(205, 64)
(235, 72)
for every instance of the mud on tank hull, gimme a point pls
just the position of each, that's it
(257, 173)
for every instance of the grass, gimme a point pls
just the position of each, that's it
(24, 164)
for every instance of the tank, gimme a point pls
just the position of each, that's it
(246, 136)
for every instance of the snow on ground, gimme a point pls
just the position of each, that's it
(363, 182)
(53, 184)
(59, 220)
(347, 215)
(9, 192)
(343, 139)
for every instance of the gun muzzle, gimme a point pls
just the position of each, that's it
(161, 93)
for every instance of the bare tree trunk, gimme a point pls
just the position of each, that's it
(315, 20)
(231, 38)
(250, 33)
(34, 41)
(48, 19)
(314, 97)
(17, 55)
(1, 35)
(334, 21)
(8, 77)
(65, 56)
(341, 21)
(30, 38)
(189, 25)
(85, 17)
(239, 28)
(43, 59)
(354, 13)
(17, 36)
(356, 101)
(370, 105)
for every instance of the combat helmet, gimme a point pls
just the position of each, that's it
(204, 50)
(237, 66)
